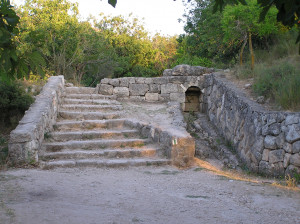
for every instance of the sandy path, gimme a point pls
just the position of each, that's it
(140, 195)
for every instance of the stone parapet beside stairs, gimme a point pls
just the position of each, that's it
(26, 139)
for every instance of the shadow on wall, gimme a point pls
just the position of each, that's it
(192, 99)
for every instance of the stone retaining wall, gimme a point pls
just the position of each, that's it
(26, 139)
(268, 142)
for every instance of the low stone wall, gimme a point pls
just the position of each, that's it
(176, 143)
(268, 142)
(170, 87)
(26, 139)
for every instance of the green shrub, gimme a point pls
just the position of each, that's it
(280, 82)
(14, 101)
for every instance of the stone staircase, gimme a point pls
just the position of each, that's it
(90, 131)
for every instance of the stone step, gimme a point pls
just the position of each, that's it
(71, 115)
(105, 163)
(90, 124)
(107, 153)
(80, 90)
(85, 135)
(90, 101)
(90, 96)
(78, 107)
(94, 144)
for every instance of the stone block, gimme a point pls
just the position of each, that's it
(148, 80)
(114, 82)
(138, 89)
(291, 170)
(131, 80)
(293, 133)
(160, 80)
(276, 156)
(296, 147)
(154, 88)
(179, 97)
(124, 82)
(137, 98)
(265, 156)
(286, 160)
(121, 91)
(151, 96)
(270, 142)
(140, 80)
(106, 89)
(295, 159)
(105, 81)
(291, 119)
(280, 140)
(287, 147)
(169, 88)
(167, 72)
(164, 97)
(178, 79)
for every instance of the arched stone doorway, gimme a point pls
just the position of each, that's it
(192, 99)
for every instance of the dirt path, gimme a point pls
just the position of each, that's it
(140, 195)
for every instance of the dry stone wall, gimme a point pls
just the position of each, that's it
(26, 139)
(267, 142)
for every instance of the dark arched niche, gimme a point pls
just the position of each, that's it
(192, 99)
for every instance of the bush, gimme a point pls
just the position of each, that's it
(280, 82)
(14, 101)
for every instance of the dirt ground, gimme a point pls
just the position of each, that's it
(140, 195)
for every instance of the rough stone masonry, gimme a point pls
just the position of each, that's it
(267, 142)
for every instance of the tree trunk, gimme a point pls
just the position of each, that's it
(242, 50)
(251, 51)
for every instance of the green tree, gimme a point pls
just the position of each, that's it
(241, 22)
(8, 30)
(70, 47)
(131, 43)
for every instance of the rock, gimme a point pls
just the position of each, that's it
(280, 140)
(293, 133)
(151, 96)
(247, 86)
(106, 89)
(121, 91)
(286, 160)
(69, 85)
(270, 142)
(264, 167)
(138, 89)
(105, 81)
(265, 156)
(292, 170)
(114, 82)
(291, 119)
(296, 147)
(276, 156)
(169, 88)
(167, 72)
(287, 147)
(295, 160)
(154, 88)
(124, 82)
(260, 100)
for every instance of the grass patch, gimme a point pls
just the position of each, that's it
(167, 172)
(197, 196)
(199, 169)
